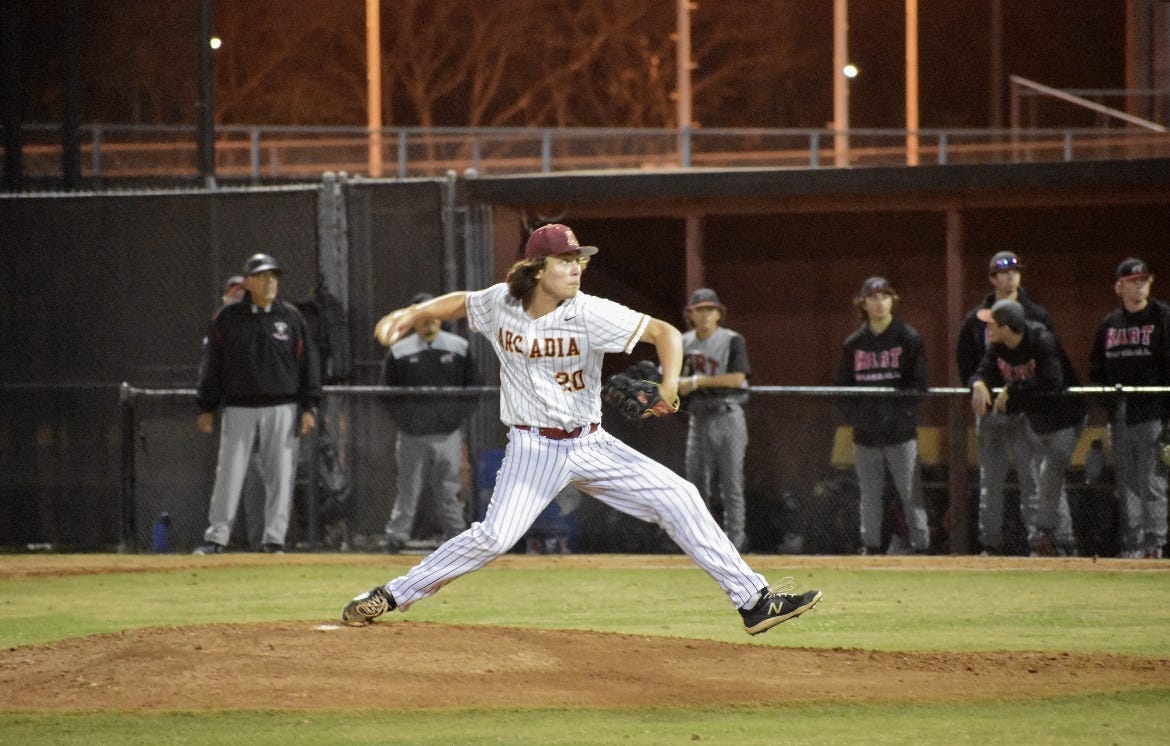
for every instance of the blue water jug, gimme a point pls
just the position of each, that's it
(162, 531)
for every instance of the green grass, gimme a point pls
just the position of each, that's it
(1128, 717)
(1107, 610)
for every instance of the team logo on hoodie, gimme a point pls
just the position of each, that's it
(281, 331)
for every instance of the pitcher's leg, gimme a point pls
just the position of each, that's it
(635, 484)
(533, 472)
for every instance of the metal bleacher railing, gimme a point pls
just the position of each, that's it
(256, 154)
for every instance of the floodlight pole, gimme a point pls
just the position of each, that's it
(374, 84)
(911, 82)
(840, 82)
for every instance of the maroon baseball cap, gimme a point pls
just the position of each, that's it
(552, 239)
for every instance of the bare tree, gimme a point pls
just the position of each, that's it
(290, 63)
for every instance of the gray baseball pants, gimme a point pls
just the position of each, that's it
(1141, 483)
(432, 462)
(273, 431)
(716, 442)
(870, 463)
(1046, 509)
(1003, 443)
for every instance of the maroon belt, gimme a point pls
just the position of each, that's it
(555, 433)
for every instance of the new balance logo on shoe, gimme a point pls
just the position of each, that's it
(775, 606)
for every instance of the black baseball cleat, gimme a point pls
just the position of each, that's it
(775, 606)
(368, 606)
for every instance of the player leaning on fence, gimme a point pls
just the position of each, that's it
(1030, 369)
(550, 339)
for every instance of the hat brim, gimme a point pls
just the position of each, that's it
(1134, 276)
(264, 268)
(1006, 268)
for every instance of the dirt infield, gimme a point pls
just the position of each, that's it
(319, 665)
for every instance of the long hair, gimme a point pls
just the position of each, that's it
(521, 277)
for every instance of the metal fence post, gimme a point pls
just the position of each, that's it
(254, 154)
(402, 153)
(126, 536)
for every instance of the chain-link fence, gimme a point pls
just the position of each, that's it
(800, 488)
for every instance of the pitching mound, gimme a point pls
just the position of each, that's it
(402, 664)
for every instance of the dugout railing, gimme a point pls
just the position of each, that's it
(800, 491)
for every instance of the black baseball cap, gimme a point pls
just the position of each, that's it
(552, 239)
(1004, 261)
(1006, 312)
(1131, 269)
(258, 263)
(875, 285)
(705, 298)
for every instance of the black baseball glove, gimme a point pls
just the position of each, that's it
(636, 398)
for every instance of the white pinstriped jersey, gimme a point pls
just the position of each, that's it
(550, 367)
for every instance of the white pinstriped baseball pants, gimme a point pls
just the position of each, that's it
(536, 468)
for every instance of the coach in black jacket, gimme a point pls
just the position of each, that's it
(261, 368)
(1027, 364)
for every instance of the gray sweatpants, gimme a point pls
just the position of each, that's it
(870, 463)
(1047, 509)
(1005, 441)
(273, 431)
(1141, 483)
(430, 462)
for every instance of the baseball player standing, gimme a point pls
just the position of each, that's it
(1132, 348)
(884, 351)
(550, 339)
(715, 359)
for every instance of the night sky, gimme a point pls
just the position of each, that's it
(136, 60)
